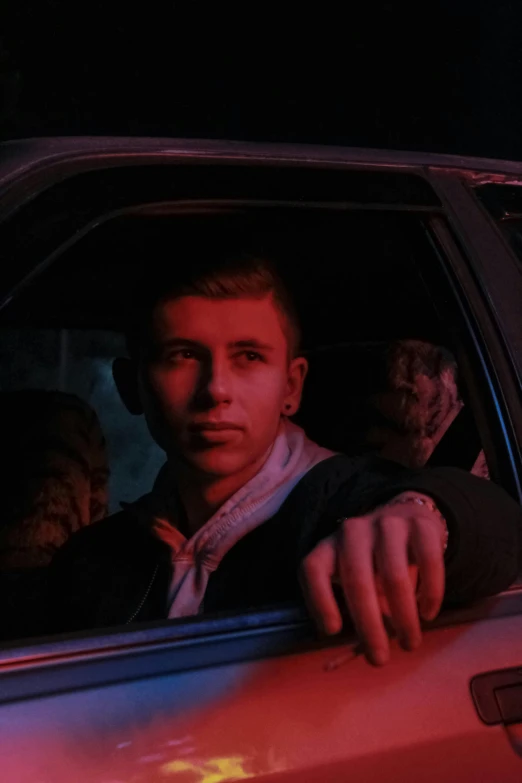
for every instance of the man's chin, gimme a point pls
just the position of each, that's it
(216, 464)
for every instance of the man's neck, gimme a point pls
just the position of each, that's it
(202, 495)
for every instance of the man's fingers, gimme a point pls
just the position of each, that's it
(317, 572)
(413, 573)
(391, 560)
(428, 553)
(369, 556)
(355, 565)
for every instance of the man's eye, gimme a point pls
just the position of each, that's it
(182, 354)
(252, 356)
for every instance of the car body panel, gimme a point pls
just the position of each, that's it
(309, 714)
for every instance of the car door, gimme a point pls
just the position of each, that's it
(258, 695)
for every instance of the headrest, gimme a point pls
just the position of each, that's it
(55, 473)
(395, 398)
(341, 379)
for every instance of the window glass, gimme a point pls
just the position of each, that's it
(369, 330)
(78, 362)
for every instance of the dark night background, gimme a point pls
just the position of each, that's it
(442, 77)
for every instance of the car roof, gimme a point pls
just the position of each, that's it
(19, 157)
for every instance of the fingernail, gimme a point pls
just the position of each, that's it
(409, 643)
(380, 656)
(429, 611)
(331, 627)
(403, 641)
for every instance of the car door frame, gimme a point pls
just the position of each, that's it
(84, 660)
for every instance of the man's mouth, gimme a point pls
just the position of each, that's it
(213, 426)
(209, 433)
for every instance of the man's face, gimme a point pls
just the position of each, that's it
(216, 379)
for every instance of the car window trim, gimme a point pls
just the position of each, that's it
(77, 662)
(182, 206)
(489, 346)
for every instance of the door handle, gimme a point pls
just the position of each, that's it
(498, 696)
(498, 699)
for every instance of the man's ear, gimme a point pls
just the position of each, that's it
(296, 377)
(125, 374)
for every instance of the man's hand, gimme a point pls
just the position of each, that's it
(389, 562)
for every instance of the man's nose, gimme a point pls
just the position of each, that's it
(217, 381)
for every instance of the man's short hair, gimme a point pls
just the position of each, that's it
(214, 274)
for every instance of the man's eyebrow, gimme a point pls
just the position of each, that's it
(178, 342)
(251, 342)
(183, 342)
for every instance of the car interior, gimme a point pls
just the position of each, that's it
(383, 374)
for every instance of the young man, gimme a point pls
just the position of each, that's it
(247, 511)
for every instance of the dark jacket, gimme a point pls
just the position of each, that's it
(116, 571)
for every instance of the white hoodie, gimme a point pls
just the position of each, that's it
(193, 560)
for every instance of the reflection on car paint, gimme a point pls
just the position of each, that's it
(210, 771)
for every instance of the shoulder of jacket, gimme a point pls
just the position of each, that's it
(118, 531)
(327, 476)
